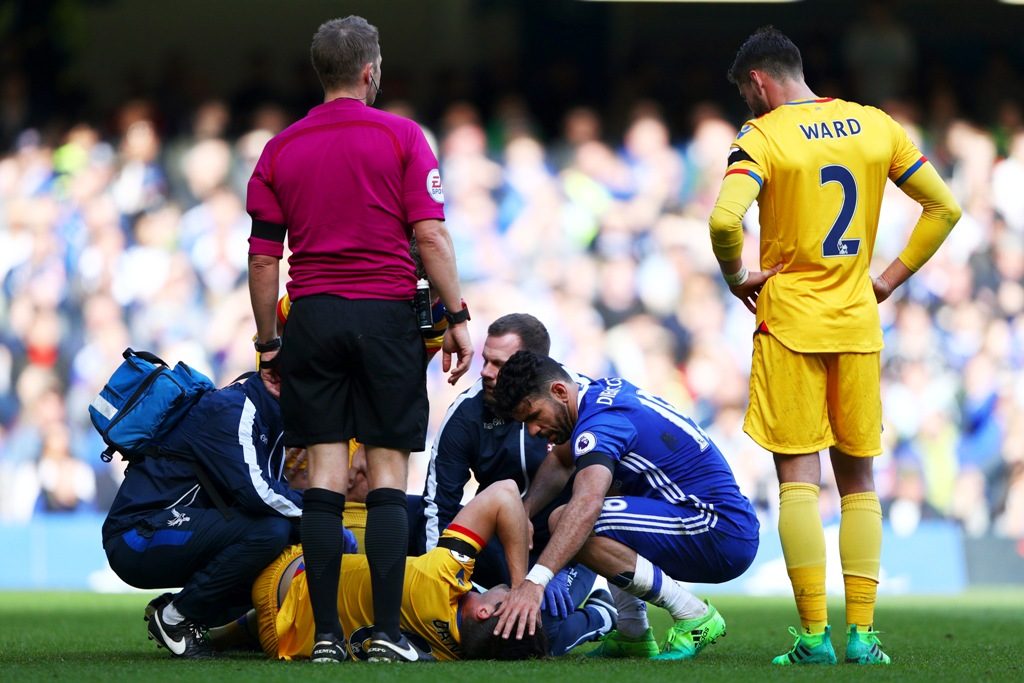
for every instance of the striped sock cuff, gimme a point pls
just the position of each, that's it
(792, 490)
(866, 501)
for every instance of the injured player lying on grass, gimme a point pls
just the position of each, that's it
(442, 613)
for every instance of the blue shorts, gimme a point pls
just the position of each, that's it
(686, 543)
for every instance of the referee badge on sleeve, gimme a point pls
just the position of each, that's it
(434, 188)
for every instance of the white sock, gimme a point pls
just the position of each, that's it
(632, 621)
(651, 584)
(171, 615)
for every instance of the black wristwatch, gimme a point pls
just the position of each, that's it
(272, 345)
(459, 316)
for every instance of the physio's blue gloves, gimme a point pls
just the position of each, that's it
(349, 545)
(557, 600)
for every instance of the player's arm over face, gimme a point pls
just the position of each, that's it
(520, 613)
(498, 509)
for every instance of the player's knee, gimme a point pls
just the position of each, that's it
(555, 517)
(506, 488)
(270, 534)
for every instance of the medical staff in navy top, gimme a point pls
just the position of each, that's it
(349, 186)
(164, 529)
(474, 442)
(654, 503)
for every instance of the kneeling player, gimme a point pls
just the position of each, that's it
(654, 503)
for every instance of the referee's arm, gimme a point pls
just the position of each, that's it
(264, 276)
(438, 254)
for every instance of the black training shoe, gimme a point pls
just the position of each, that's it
(187, 639)
(327, 650)
(155, 604)
(383, 649)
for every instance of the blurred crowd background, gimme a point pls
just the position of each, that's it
(125, 225)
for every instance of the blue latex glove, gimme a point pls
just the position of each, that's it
(557, 600)
(349, 545)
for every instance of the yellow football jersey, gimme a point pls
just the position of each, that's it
(821, 166)
(434, 584)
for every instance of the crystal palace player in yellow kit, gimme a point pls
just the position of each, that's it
(818, 167)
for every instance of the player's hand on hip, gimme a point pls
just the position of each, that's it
(748, 291)
(882, 288)
(457, 342)
(520, 611)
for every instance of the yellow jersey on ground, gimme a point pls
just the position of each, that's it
(822, 166)
(434, 584)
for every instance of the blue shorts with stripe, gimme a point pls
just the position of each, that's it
(687, 543)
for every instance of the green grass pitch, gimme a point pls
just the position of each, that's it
(88, 637)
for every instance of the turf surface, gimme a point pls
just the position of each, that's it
(88, 637)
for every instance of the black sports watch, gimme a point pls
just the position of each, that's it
(272, 345)
(459, 316)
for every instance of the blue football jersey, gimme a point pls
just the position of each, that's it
(659, 453)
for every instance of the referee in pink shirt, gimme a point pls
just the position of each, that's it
(349, 186)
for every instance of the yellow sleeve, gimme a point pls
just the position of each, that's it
(739, 190)
(906, 157)
(940, 213)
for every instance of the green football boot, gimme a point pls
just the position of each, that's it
(809, 649)
(615, 645)
(864, 648)
(687, 637)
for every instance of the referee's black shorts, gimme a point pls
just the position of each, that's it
(353, 368)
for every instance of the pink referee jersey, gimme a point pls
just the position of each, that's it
(345, 184)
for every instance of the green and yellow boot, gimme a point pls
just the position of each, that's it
(615, 645)
(864, 648)
(687, 637)
(808, 649)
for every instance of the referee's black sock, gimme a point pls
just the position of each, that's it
(321, 546)
(387, 534)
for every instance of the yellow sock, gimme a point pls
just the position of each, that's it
(860, 550)
(803, 544)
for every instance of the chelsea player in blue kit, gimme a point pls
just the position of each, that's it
(654, 503)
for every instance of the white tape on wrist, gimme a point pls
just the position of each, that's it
(737, 278)
(540, 575)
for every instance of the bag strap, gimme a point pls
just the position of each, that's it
(245, 375)
(212, 491)
(203, 477)
(144, 355)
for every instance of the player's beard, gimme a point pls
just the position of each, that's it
(563, 428)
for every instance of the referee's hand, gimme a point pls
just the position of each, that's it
(456, 341)
(268, 372)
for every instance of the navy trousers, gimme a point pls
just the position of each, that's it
(214, 560)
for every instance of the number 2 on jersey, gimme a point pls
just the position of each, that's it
(834, 244)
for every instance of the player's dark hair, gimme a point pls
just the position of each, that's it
(524, 375)
(340, 50)
(767, 49)
(477, 641)
(531, 332)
